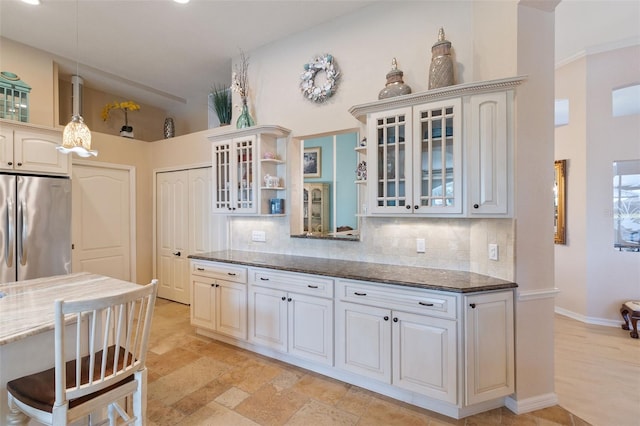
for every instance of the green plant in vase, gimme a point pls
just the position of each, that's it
(221, 103)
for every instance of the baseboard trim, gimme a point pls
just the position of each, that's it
(546, 293)
(522, 406)
(588, 320)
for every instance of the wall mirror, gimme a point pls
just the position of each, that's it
(626, 205)
(559, 187)
(327, 202)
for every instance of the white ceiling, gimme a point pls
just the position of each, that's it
(165, 53)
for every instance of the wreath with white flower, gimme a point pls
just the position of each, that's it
(319, 94)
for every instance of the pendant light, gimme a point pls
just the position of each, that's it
(76, 136)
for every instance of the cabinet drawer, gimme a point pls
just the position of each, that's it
(393, 297)
(221, 271)
(292, 281)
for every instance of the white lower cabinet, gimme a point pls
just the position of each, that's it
(445, 351)
(218, 305)
(489, 343)
(292, 313)
(411, 351)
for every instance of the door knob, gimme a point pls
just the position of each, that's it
(176, 253)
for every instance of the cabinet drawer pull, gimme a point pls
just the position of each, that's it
(473, 305)
(312, 286)
(200, 269)
(264, 279)
(425, 304)
(233, 274)
(359, 294)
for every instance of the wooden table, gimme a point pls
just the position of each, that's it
(26, 320)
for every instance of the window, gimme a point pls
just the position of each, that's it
(625, 101)
(562, 112)
(626, 205)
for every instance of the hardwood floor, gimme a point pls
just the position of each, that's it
(597, 372)
(197, 381)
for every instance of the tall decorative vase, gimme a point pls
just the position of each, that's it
(441, 68)
(245, 119)
(169, 128)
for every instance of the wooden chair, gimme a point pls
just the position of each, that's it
(109, 350)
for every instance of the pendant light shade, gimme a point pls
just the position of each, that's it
(76, 136)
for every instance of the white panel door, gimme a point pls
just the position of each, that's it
(311, 327)
(172, 235)
(102, 221)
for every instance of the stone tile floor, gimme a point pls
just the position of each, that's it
(194, 380)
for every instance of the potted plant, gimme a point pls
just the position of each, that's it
(221, 103)
(125, 106)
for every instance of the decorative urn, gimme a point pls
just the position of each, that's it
(395, 86)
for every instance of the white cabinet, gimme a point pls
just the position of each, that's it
(33, 150)
(315, 206)
(489, 343)
(444, 152)
(292, 313)
(243, 162)
(219, 298)
(489, 159)
(408, 349)
(416, 161)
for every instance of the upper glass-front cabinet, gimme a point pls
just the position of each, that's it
(249, 170)
(417, 160)
(234, 175)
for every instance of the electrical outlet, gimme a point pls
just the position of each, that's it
(420, 245)
(493, 252)
(260, 236)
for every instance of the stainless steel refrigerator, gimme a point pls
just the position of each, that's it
(35, 226)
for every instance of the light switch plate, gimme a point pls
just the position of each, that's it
(260, 236)
(493, 252)
(420, 245)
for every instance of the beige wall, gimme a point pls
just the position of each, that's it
(596, 278)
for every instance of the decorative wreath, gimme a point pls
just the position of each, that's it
(312, 92)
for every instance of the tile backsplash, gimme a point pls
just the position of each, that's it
(457, 244)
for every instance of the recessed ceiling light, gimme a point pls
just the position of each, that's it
(179, 1)
(33, 2)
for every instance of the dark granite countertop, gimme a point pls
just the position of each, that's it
(411, 276)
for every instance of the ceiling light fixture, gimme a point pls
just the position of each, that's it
(179, 1)
(76, 136)
(33, 2)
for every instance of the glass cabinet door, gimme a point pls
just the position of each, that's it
(233, 177)
(392, 185)
(437, 158)
(244, 170)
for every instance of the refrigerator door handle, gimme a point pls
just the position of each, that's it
(10, 236)
(22, 229)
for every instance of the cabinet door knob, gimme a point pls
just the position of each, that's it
(10, 163)
(395, 319)
(416, 207)
(176, 253)
(386, 318)
(213, 285)
(19, 164)
(289, 300)
(475, 206)
(284, 298)
(408, 207)
(473, 305)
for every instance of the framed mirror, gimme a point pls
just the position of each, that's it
(326, 207)
(559, 188)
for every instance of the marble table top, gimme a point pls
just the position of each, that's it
(410, 276)
(26, 307)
